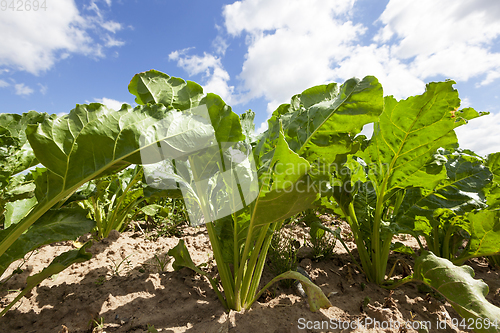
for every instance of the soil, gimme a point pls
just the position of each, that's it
(129, 286)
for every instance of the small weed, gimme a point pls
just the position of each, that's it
(283, 255)
(152, 329)
(159, 261)
(97, 325)
(323, 247)
(100, 280)
(117, 268)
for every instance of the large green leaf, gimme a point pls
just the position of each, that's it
(16, 154)
(457, 284)
(408, 134)
(461, 191)
(54, 226)
(91, 141)
(484, 234)
(493, 163)
(157, 87)
(321, 122)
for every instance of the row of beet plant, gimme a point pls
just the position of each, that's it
(408, 178)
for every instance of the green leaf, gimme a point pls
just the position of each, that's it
(315, 296)
(60, 263)
(410, 131)
(226, 123)
(286, 189)
(401, 248)
(54, 226)
(156, 87)
(457, 284)
(484, 234)
(282, 204)
(16, 154)
(321, 122)
(248, 126)
(151, 210)
(15, 211)
(461, 191)
(493, 192)
(364, 202)
(92, 141)
(183, 258)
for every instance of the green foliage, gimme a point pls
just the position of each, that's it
(457, 284)
(323, 246)
(163, 217)
(283, 255)
(119, 266)
(282, 158)
(378, 189)
(409, 177)
(112, 200)
(16, 156)
(445, 216)
(90, 142)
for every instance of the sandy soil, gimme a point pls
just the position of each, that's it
(129, 284)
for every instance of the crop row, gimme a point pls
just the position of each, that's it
(97, 169)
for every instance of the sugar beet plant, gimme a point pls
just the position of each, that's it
(398, 179)
(242, 187)
(245, 194)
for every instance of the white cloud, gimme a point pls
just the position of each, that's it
(35, 40)
(110, 103)
(112, 26)
(43, 88)
(22, 89)
(292, 46)
(481, 135)
(395, 76)
(262, 127)
(216, 77)
(220, 45)
(447, 37)
(3, 84)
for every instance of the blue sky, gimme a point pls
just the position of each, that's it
(255, 54)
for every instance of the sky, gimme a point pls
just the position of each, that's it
(256, 54)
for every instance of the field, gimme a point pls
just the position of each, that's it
(142, 294)
(310, 225)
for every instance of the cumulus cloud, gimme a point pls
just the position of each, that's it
(220, 45)
(3, 84)
(110, 103)
(449, 38)
(481, 135)
(43, 88)
(36, 40)
(22, 89)
(215, 76)
(291, 46)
